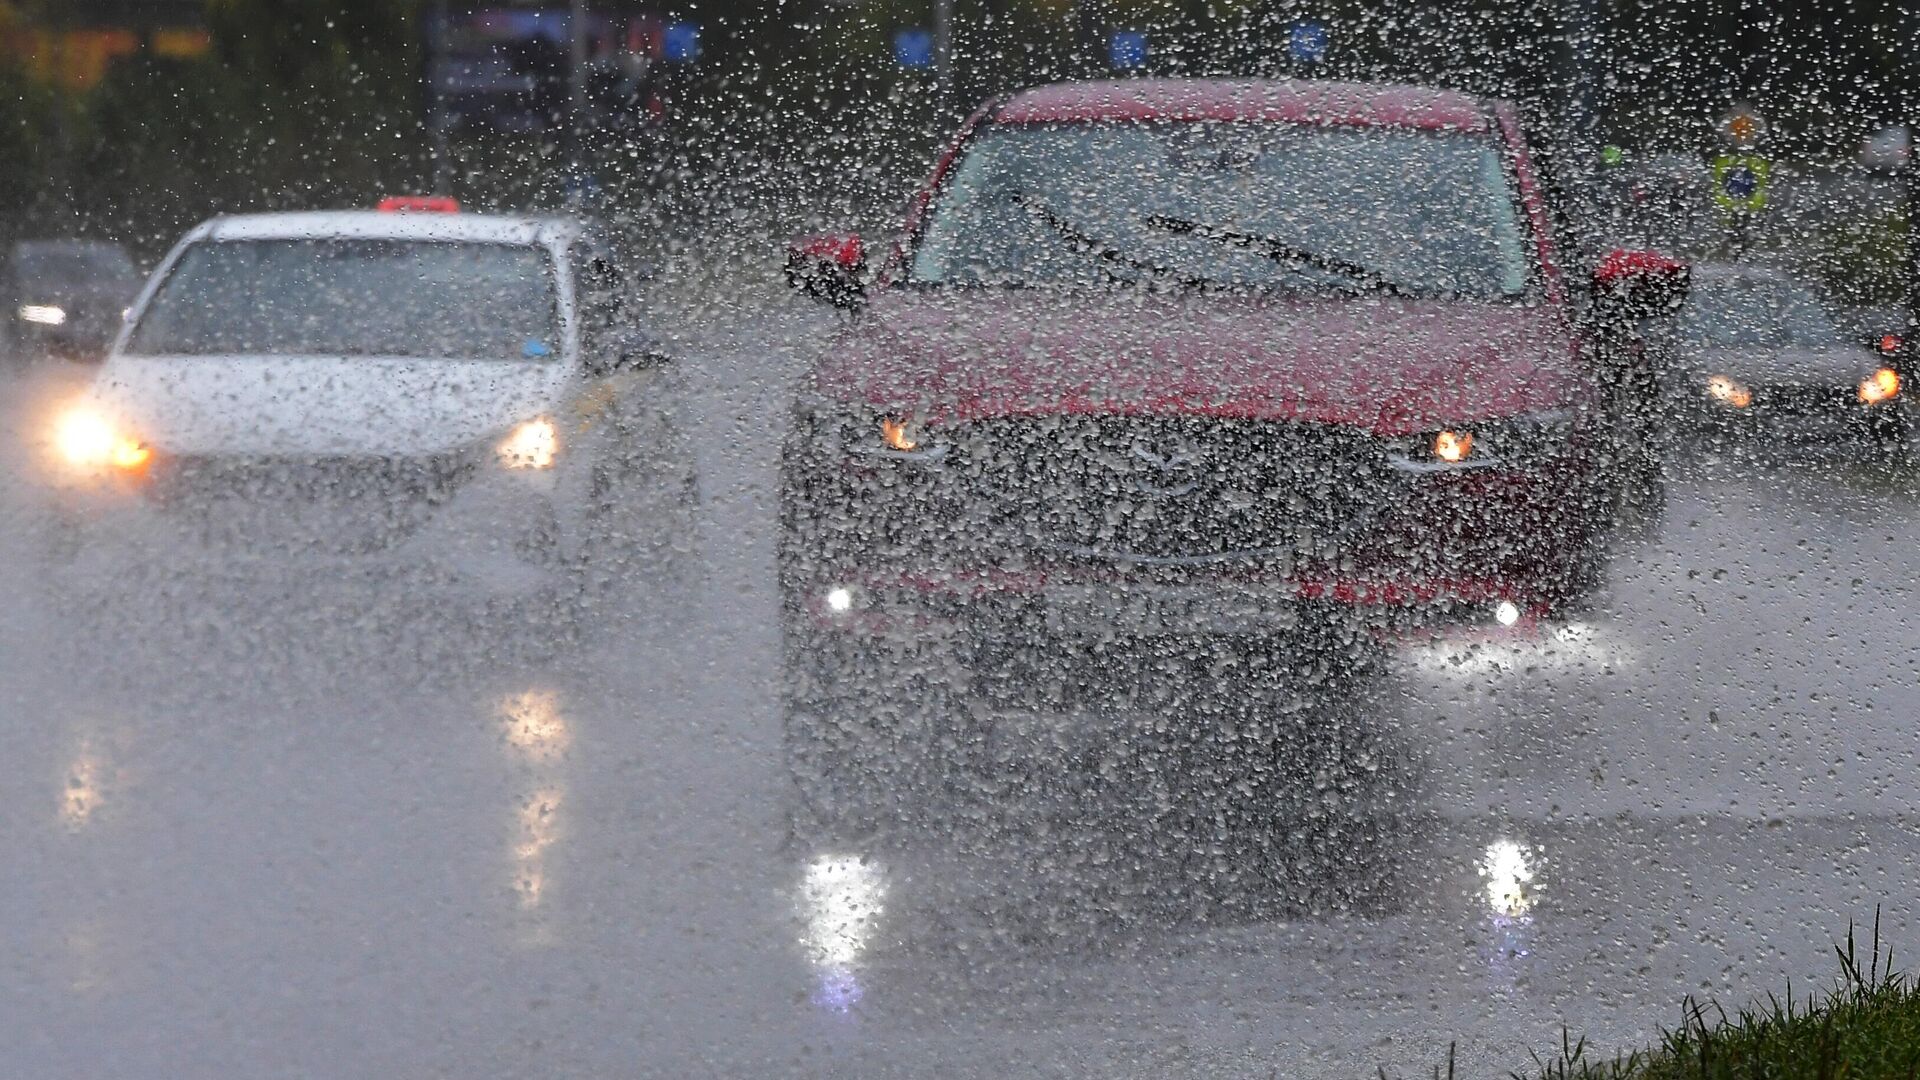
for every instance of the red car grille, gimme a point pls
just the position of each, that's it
(1173, 490)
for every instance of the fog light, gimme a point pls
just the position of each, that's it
(1506, 613)
(839, 599)
(1879, 386)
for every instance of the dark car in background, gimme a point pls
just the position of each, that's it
(1762, 364)
(1236, 372)
(66, 297)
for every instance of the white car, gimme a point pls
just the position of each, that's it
(1761, 363)
(459, 390)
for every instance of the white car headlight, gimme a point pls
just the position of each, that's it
(43, 314)
(86, 439)
(533, 445)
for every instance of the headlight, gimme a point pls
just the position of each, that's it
(901, 437)
(1880, 386)
(532, 445)
(88, 440)
(1728, 392)
(44, 314)
(1508, 442)
(1453, 446)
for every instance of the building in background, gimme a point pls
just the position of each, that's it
(70, 45)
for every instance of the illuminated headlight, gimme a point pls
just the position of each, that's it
(1727, 391)
(903, 438)
(1506, 613)
(1880, 386)
(1507, 442)
(43, 314)
(532, 445)
(86, 439)
(840, 599)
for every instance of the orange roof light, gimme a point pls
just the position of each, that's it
(420, 204)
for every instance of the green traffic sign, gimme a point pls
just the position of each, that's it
(1740, 182)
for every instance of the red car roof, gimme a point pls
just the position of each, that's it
(1283, 100)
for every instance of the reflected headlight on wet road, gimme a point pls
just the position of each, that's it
(1726, 391)
(1507, 870)
(86, 439)
(532, 445)
(43, 314)
(1880, 386)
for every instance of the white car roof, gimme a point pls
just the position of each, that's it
(379, 225)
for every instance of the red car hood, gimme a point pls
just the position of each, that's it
(1393, 366)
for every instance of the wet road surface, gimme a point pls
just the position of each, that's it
(286, 831)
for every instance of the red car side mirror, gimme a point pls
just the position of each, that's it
(829, 268)
(1641, 283)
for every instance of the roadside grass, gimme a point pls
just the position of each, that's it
(1865, 1027)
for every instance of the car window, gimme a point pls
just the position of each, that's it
(1422, 213)
(1737, 311)
(354, 298)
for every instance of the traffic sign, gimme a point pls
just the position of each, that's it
(1740, 182)
(913, 48)
(1307, 41)
(1127, 49)
(680, 42)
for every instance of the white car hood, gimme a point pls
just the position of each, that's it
(323, 406)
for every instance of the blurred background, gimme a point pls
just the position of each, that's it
(131, 119)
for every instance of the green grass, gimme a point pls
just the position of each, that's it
(1867, 1025)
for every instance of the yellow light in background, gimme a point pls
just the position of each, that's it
(1726, 391)
(532, 445)
(895, 433)
(1879, 386)
(85, 438)
(1453, 445)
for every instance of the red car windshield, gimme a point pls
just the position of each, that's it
(1258, 205)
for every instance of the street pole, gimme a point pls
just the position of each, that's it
(943, 56)
(1580, 21)
(577, 87)
(437, 100)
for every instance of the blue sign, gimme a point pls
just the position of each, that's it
(1307, 42)
(1127, 49)
(913, 48)
(680, 43)
(1741, 182)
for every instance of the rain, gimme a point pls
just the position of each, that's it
(949, 537)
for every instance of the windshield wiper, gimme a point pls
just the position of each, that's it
(1270, 248)
(1088, 245)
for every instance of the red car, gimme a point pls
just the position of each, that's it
(1198, 365)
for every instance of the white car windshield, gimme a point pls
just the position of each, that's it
(354, 297)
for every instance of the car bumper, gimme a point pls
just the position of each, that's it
(1776, 421)
(491, 536)
(1449, 547)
